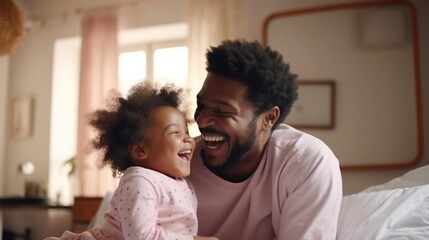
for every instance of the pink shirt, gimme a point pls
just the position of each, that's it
(147, 205)
(294, 194)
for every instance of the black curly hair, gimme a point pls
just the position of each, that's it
(269, 81)
(125, 120)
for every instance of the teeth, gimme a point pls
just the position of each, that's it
(213, 138)
(185, 152)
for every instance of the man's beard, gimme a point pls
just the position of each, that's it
(239, 150)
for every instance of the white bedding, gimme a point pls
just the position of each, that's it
(416, 177)
(398, 209)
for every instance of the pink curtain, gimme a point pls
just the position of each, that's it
(98, 74)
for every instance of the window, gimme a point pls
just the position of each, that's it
(160, 62)
(171, 65)
(132, 69)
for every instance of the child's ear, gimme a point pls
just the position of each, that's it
(138, 151)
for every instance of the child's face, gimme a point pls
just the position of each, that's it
(168, 145)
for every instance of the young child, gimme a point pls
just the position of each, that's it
(145, 137)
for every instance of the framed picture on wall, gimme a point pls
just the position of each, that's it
(21, 123)
(315, 106)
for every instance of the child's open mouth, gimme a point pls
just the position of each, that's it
(185, 154)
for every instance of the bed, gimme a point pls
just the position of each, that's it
(398, 209)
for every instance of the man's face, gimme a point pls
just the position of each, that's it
(227, 124)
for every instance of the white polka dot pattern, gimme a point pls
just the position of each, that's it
(147, 205)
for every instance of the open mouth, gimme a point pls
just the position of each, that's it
(185, 154)
(213, 142)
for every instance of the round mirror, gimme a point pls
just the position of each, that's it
(359, 84)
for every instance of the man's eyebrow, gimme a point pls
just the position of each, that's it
(225, 103)
(222, 103)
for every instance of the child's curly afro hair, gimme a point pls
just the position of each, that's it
(125, 120)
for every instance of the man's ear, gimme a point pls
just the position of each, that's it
(270, 118)
(138, 151)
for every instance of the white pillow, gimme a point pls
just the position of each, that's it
(416, 177)
(104, 207)
(401, 213)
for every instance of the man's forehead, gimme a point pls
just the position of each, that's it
(223, 85)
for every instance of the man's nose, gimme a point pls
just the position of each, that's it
(204, 118)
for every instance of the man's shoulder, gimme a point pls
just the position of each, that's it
(288, 144)
(285, 136)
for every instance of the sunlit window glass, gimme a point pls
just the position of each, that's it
(132, 69)
(171, 65)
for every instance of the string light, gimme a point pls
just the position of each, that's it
(43, 20)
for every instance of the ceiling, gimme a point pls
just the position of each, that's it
(47, 8)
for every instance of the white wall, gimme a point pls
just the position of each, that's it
(4, 76)
(329, 46)
(357, 180)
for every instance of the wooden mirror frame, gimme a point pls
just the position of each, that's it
(416, 59)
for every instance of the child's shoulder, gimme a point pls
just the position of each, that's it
(148, 178)
(142, 172)
(148, 174)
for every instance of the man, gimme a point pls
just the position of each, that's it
(255, 177)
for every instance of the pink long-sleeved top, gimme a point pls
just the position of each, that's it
(294, 194)
(147, 205)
